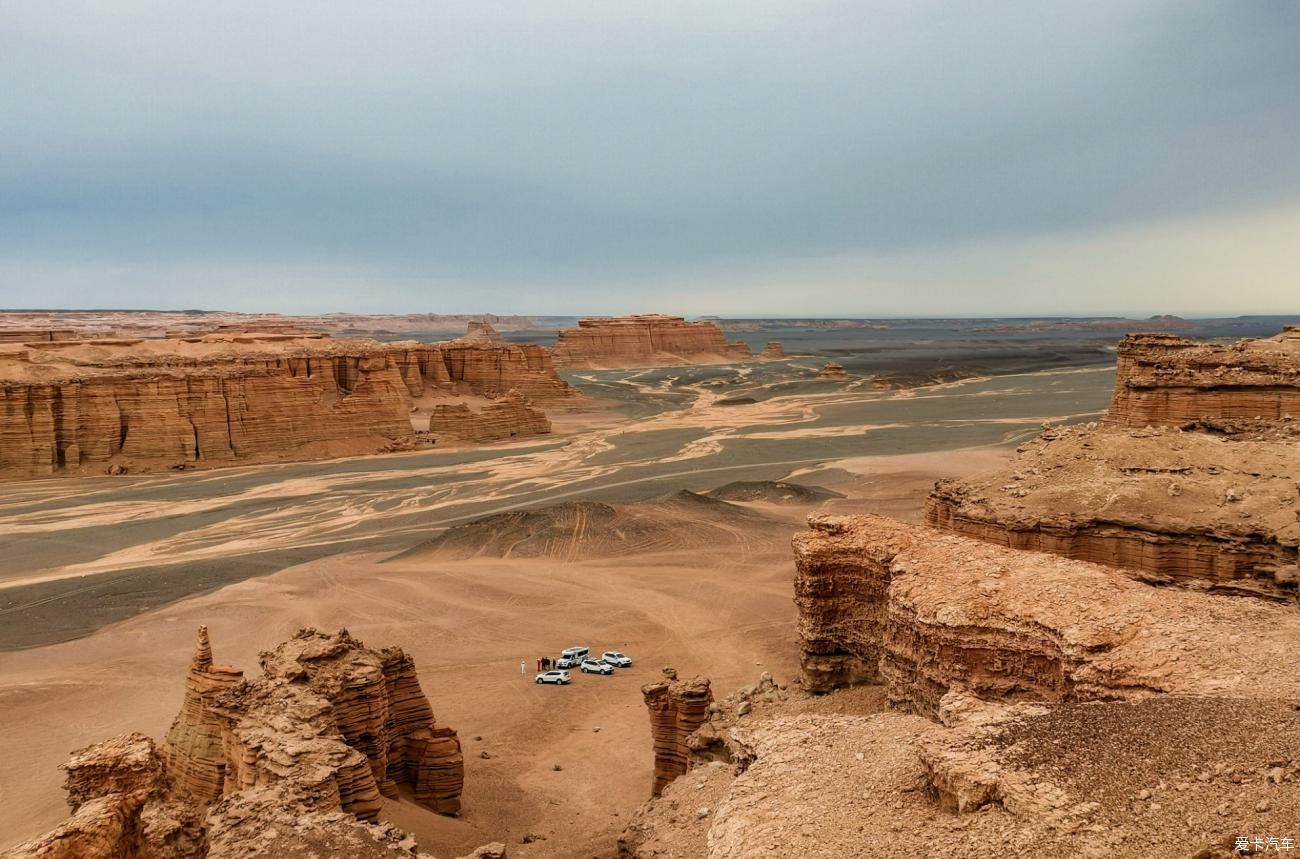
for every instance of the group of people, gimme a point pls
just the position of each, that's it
(546, 663)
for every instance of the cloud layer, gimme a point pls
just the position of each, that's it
(840, 157)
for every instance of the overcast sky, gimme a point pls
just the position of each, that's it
(741, 158)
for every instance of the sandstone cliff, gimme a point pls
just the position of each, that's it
(225, 399)
(647, 340)
(1214, 506)
(292, 764)
(512, 416)
(924, 613)
(1165, 379)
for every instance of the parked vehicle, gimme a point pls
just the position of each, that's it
(596, 666)
(560, 678)
(576, 654)
(618, 660)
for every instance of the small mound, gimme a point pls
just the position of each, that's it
(582, 530)
(772, 492)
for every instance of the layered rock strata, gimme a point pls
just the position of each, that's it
(512, 416)
(225, 399)
(677, 708)
(773, 350)
(644, 340)
(291, 764)
(1165, 379)
(924, 613)
(1213, 506)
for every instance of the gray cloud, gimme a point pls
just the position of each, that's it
(498, 145)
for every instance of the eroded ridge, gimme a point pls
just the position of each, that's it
(294, 762)
(230, 398)
(924, 613)
(1166, 379)
(1214, 505)
(650, 340)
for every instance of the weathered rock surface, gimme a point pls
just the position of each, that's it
(924, 612)
(773, 350)
(1166, 379)
(677, 708)
(291, 764)
(512, 416)
(833, 372)
(1214, 506)
(225, 399)
(37, 335)
(1168, 777)
(644, 340)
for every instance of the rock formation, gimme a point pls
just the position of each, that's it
(924, 613)
(773, 350)
(1166, 379)
(484, 364)
(1210, 503)
(1161, 777)
(196, 760)
(291, 764)
(225, 399)
(833, 372)
(1213, 506)
(512, 416)
(677, 708)
(645, 340)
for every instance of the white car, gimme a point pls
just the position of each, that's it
(618, 660)
(560, 678)
(595, 666)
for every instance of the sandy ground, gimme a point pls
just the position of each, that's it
(468, 624)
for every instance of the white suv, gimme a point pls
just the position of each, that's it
(560, 678)
(595, 666)
(613, 657)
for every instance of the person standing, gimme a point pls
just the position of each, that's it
(523, 667)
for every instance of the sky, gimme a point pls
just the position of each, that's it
(748, 158)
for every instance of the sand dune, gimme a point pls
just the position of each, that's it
(585, 530)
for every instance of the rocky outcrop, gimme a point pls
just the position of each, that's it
(227, 399)
(923, 613)
(1214, 506)
(773, 350)
(1166, 379)
(1161, 777)
(677, 708)
(645, 340)
(833, 372)
(484, 364)
(291, 764)
(195, 757)
(512, 416)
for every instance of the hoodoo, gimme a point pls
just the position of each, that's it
(301, 754)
